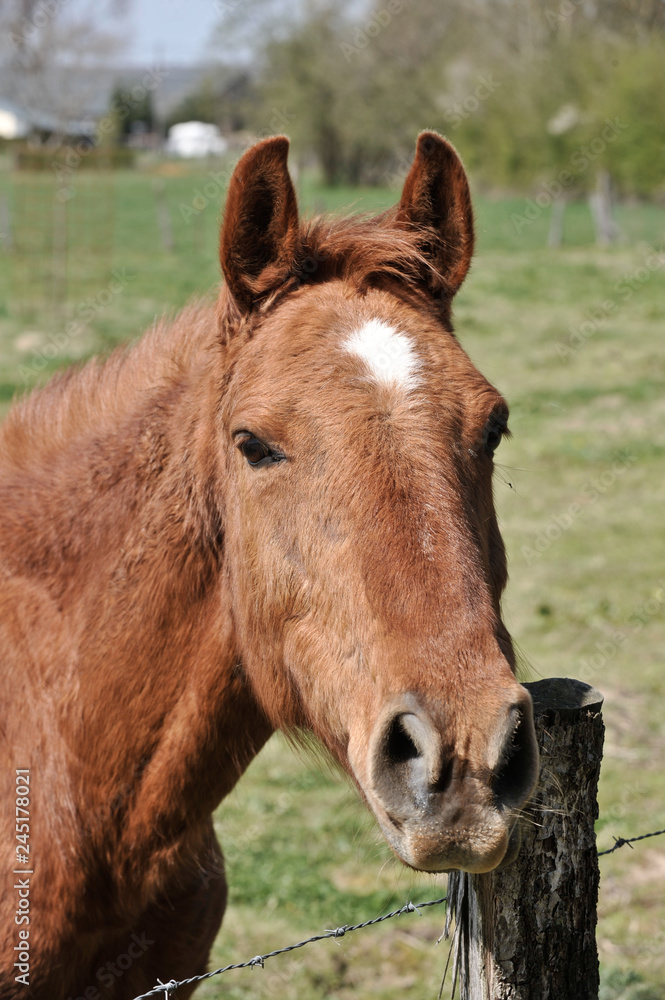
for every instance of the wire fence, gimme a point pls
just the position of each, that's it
(166, 989)
(622, 841)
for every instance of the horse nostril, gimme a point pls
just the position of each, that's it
(400, 747)
(516, 772)
(401, 764)
(409, 769)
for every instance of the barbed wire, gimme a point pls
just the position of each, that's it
(166, 989)
(622, 841)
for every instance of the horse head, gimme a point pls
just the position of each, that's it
(363, 555)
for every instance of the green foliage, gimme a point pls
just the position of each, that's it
(618, 985)
(584, 104)
(132, 114)
(636, 94)
(222, 101)
(340, 93)
(527, 91)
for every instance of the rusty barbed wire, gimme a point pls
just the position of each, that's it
(166, 989)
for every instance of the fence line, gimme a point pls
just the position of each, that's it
(620, 841)
(258, 960)
(166, 989)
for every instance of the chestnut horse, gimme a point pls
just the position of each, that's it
(275, 514)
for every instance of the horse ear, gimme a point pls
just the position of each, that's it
(260, 228)
(436, 199)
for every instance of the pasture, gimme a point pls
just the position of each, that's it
(573, 337)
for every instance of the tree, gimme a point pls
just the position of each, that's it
(578, 108)
(45, 46)
(224, 98)
(350, 89)
(526, 88)
(132, 114)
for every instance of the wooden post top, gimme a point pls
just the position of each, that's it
(568, 697)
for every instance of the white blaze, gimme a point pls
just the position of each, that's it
(387, 353)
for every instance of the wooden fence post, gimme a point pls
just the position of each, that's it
(163, 217)
(528, 932)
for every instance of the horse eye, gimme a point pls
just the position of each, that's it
(255, 451)
(494, 431)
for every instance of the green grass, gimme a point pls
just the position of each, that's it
(587, 601)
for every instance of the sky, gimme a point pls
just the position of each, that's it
(169, 31)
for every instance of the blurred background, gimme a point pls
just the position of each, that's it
(120, 123)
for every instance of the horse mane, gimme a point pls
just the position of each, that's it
(104, 390)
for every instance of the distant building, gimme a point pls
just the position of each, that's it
(194, 139)
(18, 122)
(14, 122)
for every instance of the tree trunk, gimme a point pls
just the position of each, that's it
(528, 932)
(600, 201)
(555, 237)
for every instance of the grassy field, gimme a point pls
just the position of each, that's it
(573, 337)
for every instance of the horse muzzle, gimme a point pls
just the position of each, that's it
(448, 795)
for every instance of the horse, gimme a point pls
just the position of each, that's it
(274, 512)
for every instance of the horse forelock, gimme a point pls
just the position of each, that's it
(366, 251)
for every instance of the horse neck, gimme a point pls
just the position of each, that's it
(152, 698)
